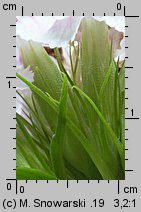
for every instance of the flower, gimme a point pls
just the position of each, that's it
(33, 28)
(52, 31)
(56, 31)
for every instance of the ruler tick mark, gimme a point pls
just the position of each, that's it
(22, 10)
(132, 118)
(73, 12)
(118, 187)
(128, 66)
(124, 10)
(132, 16)
(10, 77)
(16, 186)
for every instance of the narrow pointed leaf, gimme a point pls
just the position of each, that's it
(33, 174)
(119, 145)
(58, 139)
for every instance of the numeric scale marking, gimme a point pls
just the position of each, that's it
(126, 108)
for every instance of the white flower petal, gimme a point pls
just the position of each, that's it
(53, 31)
(19, 61)
(58, 31)
(62, 32)
(33, 28)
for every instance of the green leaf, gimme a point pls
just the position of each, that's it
(62, 69)
(104, 83)
(33, 174)
(104, 170)
(95, 56)
(59, 137)
(117, 143)
(25, 151)
(34, 54)
(75, 130)
(32, 146)
(102, 167)
(39, 92)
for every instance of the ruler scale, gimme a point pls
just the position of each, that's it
(90, 195)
